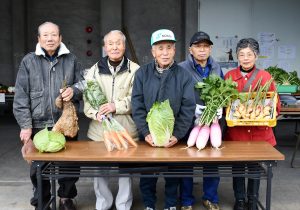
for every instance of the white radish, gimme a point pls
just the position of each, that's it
(215, 135)
(193, 136)
(202, 138)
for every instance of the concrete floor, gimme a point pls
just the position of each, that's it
(16, 190)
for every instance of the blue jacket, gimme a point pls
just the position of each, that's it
(149, 86)
(189, 66)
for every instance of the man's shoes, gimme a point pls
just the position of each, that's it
(240, 205)
(210, 206)
(186, 208)
(66, 204)
(36, 208)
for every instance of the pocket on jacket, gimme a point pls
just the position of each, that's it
(36, 103)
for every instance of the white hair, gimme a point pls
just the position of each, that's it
(46, 23)
(115, 31)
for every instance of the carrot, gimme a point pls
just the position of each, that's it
(122, 140)
(116, 140)
(107, 141)
(128, 138)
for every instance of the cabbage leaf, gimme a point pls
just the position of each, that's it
(49, 141)
(161, 121)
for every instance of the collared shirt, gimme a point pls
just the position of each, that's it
(204, 71)
(115, 69)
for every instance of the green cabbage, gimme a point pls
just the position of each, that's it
(161, 122)
(49, 141)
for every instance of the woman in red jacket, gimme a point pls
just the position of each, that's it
(247, 74)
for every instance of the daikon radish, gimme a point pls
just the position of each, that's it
(193, 136)
(215, 135)
(202, 138)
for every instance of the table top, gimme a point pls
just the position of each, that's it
(96, 152)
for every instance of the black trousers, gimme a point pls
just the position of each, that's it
(67, 187)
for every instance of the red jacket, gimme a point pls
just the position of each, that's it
(251, 133)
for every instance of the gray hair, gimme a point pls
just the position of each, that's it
(115, 31)
(248, 42)
(45, 23)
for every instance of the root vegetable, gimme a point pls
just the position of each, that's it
(202, 138)
(215, 135)
(193, 136)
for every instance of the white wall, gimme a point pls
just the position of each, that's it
(246, 18)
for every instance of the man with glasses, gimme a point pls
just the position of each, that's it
(200, 64)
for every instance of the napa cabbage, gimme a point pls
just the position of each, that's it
(161, 120)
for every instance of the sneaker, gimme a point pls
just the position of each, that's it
(240, 205)
(186, 208)
(148, 208)
(66, 204)
(210, 206)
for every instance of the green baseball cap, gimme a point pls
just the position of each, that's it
(162, 35)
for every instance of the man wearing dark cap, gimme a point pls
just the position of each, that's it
(200, 64)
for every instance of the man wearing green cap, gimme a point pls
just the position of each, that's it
(158, 81)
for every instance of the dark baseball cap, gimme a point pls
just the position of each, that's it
(200, 36)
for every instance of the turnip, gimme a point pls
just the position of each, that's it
(202, 138)
(193, 136)
(215, 135)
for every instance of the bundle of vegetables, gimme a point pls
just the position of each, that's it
(115, 135)
(161, 121)
(282, 77)
(254, 105)
(93, 94)
(49, 141)
(216, 93)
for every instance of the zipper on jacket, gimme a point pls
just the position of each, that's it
(113, 87)
(51, 65)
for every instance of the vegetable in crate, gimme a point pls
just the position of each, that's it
(49, 141)
(161, 121)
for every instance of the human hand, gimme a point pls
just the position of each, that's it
(149, 140)
(107, 108)
(173, 140)
(220, 113)
(25, 134)
(67, 94)
(199, 110)
(28, 147)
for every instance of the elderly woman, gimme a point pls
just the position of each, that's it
(160, 80)
(247, 74)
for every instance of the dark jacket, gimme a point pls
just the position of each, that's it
(37, 86)
(149, 86)
(188, 65)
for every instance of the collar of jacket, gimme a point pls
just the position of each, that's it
(104, 68)
(62, 50)
(238, 75)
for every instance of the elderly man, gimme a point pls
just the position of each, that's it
(160, 80)
(40, 77)
(114, 74)
(200, 64)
